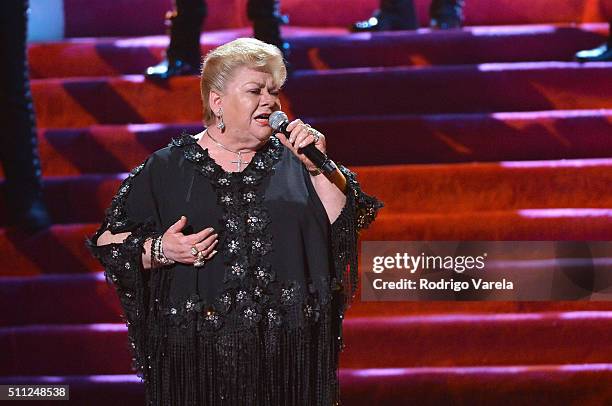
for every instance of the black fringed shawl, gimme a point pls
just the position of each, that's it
(261, 322)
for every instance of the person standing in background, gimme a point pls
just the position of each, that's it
(183, 55)
(401, 15)
(18, 138)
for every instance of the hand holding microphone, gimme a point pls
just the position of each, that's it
(305, 140)
(309, 146)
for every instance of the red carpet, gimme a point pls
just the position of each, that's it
(485, 133)
(568, 384)
(331, 48)
(406, 190)
(410, 341)
(441, 138)
(441, 89)
(116, 18)
(85, 298)
(64, 243)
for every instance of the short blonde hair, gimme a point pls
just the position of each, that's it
(220, 63)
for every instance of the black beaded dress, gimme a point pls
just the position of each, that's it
(261, 322)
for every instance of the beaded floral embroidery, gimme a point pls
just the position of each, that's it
(252, 294)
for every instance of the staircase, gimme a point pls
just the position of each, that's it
(485, 133)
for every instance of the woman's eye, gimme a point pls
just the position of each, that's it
(255, 91)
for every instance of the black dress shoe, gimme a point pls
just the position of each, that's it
(602, 53)
(169, 68)
(445, 22)
(384, 22)
(31, 216)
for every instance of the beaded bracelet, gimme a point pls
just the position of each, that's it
(157, 253)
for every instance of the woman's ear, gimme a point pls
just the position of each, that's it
(214, 101)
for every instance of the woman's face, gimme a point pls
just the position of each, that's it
(249, 99)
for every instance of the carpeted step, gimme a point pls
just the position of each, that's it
(55, 299)
(494, 87)
(578, 384)
(519, 225)
(462, 340)
(88, 195)
(535, 86)
(391, 309)
(72, 349)
(401, 139)
(90, 390)
(417, 189)
(25, 255)
(454, 188)
(325, 48)
(425, 340)
(583, 384)
(60, 249)
(360, 140)
(120, 18)
(105, 149)
(88, 298)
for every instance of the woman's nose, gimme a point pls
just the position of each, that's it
(269, 99)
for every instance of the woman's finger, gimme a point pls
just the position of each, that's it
(206, 242)
(304, 140)
(206, 254)
(206, 246)
(201, 236)
(294, 124)
(178, 226)
(313, 137)
(295, 131)
(284, 140)
(212, 254)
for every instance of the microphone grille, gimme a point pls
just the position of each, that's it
(276, 119)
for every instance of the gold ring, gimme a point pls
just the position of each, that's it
(315, 134)
(194, 251)
(200, 260)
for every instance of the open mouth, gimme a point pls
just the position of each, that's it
(262, 118)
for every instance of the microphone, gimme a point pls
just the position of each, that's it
(279, 122)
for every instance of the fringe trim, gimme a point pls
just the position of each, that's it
(123, 267)
(358, 213)
(258, 366)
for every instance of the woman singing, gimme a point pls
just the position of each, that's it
(233, 257)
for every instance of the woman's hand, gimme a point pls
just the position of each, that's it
(178, 246)
(301, 135)
(329, 187)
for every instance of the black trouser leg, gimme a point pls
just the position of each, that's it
(185, 27)
(267, 19)
(402, 11)
(392, 15)
(446, 13)
(18, 141)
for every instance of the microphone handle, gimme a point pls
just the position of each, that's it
(321, 161)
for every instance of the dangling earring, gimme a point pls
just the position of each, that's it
(220, 124)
